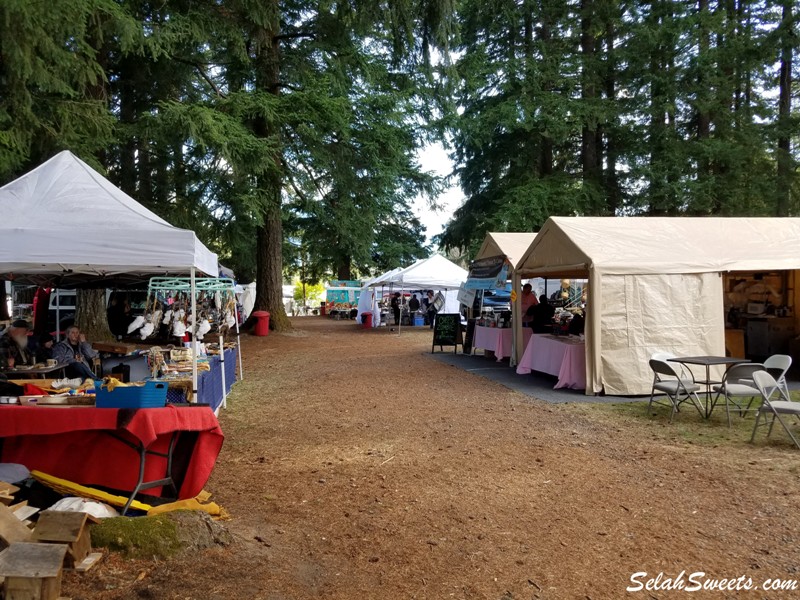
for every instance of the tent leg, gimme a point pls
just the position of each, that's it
(222, 366)
(238, 339)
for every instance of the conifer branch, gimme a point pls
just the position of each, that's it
(291, 36)
(203, 74)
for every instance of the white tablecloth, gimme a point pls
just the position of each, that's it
(497, 339)
(562, 356)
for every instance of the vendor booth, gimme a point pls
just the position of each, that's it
(98, 237)
(510, 247)
(662, 284)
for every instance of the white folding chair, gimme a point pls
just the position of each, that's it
(678, 390)
(777, 365)
(767, 386)
(737, 383)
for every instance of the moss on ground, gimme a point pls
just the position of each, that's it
(138, 537)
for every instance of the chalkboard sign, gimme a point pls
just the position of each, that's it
(447, 331)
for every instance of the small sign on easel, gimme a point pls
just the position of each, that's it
(447, 331)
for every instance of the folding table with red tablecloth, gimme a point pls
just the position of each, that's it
(105, 447)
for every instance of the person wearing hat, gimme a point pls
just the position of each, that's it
(14, 350)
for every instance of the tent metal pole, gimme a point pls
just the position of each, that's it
(58, 313)
(238, 337)
(222, 368)
(517, 337)
(194, 337)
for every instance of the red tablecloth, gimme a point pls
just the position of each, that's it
(74, 443)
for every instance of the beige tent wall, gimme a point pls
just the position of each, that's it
(642, 314)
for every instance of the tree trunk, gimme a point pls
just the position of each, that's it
(784, 182)
(269, 280)
(343, 271)
(590, 158)
(613, 192)
(269, 262)
(91, 316)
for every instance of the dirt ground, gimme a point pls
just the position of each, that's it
(356, 467)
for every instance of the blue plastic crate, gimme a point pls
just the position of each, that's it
(153, 394)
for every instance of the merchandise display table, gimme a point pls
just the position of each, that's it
(562, 356)
(85, 444)
(209, 383)
(498, 339)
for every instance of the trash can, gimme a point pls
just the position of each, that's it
(262, 322)
(322, 309)
(367, 320)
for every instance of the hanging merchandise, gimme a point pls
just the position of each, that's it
(214, 305)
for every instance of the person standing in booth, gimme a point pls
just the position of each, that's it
(395, 304)
(77, 353)
(527, 299)
(413, 307)
(541, 316)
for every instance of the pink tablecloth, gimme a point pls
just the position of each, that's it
(564, 357)
(497, 339)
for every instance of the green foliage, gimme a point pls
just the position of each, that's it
(313, 291)
(675, 102)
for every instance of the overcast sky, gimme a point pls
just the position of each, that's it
(434, 158)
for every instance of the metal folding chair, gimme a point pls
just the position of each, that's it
(767, 386)
(678, 390)
(737, 383)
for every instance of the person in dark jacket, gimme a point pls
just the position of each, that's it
(395, 305)
(44, 351)
(541, 316)
(77, 353)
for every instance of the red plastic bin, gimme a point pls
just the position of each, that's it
(367, 316)
(262, 322)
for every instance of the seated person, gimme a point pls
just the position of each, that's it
(44, 351)
(14, 351)
(541, 316)
(77, 353)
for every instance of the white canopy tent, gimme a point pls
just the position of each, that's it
(512, 246)
(95, 232)
(655, 283)
(432, 273)
(92, 228)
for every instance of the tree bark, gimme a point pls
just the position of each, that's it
(91, 315)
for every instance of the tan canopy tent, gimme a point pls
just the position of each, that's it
(512, 246)
(656, 283)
